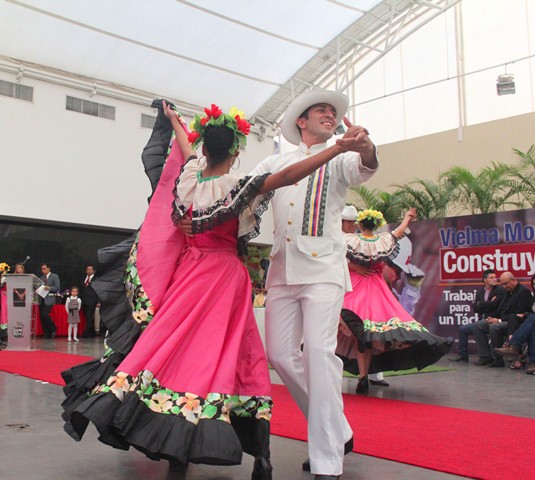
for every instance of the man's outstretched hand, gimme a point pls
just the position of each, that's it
(356, 139)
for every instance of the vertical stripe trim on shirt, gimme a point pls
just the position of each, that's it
(316, 196)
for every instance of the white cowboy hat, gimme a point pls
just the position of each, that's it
(403, 259)
(338, 100)
(349, 213)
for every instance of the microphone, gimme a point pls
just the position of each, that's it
(25, 260)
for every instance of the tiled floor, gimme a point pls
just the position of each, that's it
(33, 445)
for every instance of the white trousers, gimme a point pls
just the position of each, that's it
(309, 314)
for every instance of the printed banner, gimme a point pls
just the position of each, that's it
(452, 253)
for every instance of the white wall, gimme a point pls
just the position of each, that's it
(66, 166)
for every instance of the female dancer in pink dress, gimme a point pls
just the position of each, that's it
(190, 380)
(4, 268)
(376, 333)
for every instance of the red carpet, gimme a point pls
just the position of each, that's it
(39, 364)
(462, 442)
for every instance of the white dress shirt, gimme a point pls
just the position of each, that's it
(309, 246)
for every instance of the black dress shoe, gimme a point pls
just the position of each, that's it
(348, 448)
(262, 469)
(363, 386)
(460, 358)
(380, 383)
(484, 361)
(497, 363)
(53, 335)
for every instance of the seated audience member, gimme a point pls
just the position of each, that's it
(525, 333)
(486, 303)
(519, 362)
(514, 323)
(515, 304)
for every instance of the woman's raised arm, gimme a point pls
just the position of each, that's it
(181, 136)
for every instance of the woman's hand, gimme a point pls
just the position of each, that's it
(168, 111)
(411, 214)
(360, 269)
(185, 225)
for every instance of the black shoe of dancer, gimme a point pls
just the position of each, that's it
(363, 386)
(262, 469)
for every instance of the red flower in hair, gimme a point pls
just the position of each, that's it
(192, 136)
(213, 112)
(243, 125)
(204, 120)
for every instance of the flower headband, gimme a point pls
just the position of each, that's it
(214, 116)
(374, 216)
(4, 267)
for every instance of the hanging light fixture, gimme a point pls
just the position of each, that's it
(505, 84)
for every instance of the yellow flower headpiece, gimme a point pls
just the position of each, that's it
(374, 216)
(4, 267)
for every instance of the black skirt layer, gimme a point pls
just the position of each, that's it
(420, 348)
(126, 423)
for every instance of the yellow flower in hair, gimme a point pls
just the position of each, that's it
(234, 111)
(374, 216)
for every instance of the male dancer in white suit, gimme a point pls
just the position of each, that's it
(308, 274)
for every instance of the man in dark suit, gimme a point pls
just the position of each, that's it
(515, 304)
(52, 285)
(90, 302)
(488, 299)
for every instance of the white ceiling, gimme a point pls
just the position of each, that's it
(256, 55)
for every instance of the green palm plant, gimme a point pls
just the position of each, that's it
(387, 203)
(431, 199)
(497, 187)
(526, 172)
(528, 158)
(493, 188)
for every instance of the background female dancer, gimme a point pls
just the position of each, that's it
(373, 323)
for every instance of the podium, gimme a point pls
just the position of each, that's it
(20, 298)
